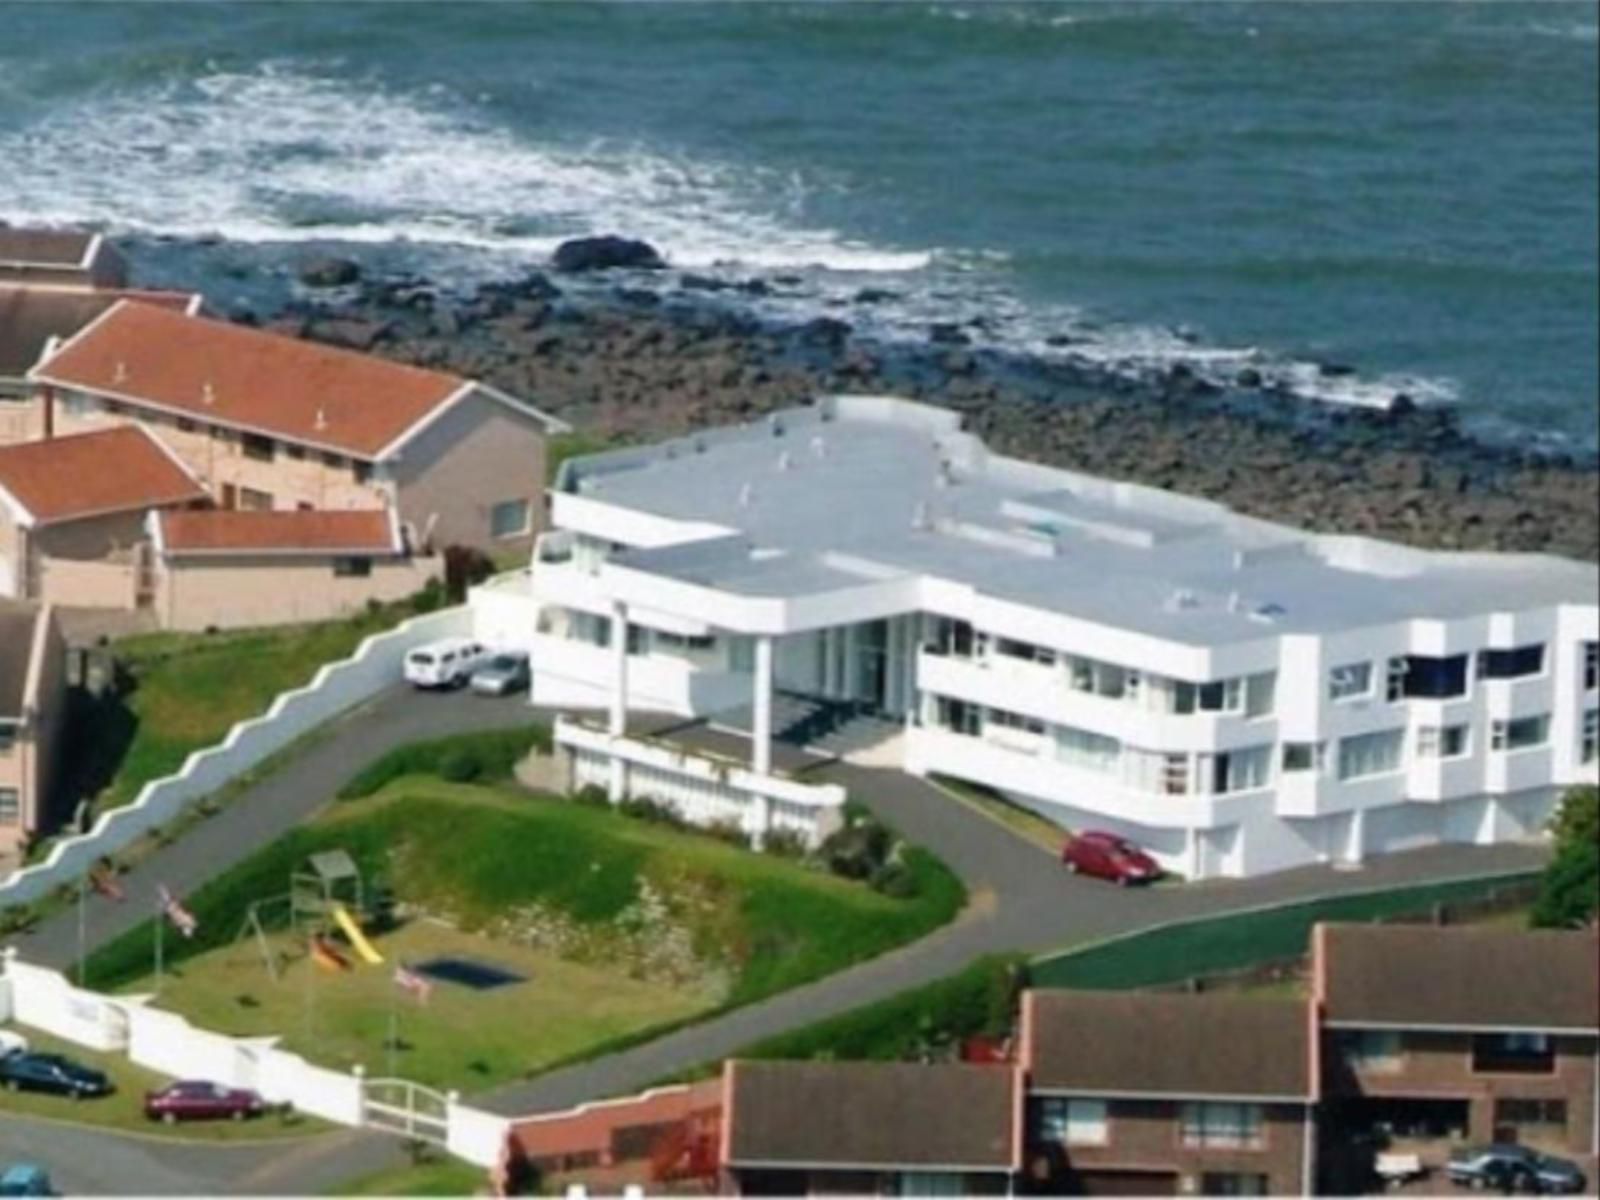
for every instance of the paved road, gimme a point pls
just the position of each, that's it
(1022, 901)
(87, 1161)
(270, 809)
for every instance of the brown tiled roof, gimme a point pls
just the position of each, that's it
(87, 474)
(256, 381)
(1168, 1044)
(871, 1115)
(360, 531)
(17, 624)
(30, 317)
(1421, 975)
(43, 247)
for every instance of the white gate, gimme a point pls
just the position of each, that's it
(405, 1108)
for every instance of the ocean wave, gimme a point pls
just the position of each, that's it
(278, 154)
(1571, 31)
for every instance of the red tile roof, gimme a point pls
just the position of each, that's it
(90, 474)
(255, 381)
(360, 531)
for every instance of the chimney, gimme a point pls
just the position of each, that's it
(208, 394)
(120, 373)
(322, 419)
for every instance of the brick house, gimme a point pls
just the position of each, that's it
(1451, 1035)
(32, 700)
(208, 566)
(73, 512)
(1137, 1093)
(884, 1129)
(275, 423)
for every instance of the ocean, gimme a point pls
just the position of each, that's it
(1357, 199)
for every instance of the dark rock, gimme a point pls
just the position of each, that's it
(875, 296)
(604, 253)
(1329, 370)
(825, 331)
(637, 297)
(1249, 377)
(535, 286)
(1402, 405)
(702, 283)
(757, 287)
(330, 272)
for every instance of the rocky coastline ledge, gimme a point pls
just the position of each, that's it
(643, 352)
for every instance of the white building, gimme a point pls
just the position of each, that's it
(1237, 696)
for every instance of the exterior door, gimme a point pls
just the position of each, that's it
(230, 496)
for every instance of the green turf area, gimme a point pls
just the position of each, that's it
(1227, 943)
(1045, 834)
(183, 692)
(124, 1108)
(708, 923)
(438, 1177)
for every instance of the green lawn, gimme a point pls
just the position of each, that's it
(185, 691)
(710, 924)
(123, 1109)
(1025, 824)
(1227, 943)
(459, 1038)
(440, 1176)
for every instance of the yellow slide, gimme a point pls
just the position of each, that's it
(358, 940)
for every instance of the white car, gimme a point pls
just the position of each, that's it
(444, 664)
(12, 1043)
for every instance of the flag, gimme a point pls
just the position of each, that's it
(182, 919)
(408, 980)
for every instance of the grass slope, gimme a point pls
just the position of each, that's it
(477, 852)
(188, 690)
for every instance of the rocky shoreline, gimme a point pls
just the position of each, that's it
(647, 353)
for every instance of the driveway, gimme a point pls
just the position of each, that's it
(1021, 901)
(268, 810)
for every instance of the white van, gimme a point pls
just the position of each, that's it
(444, 664)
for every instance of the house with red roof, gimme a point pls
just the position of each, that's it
(273, 423)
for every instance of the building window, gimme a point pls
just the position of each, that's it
(1233, 1183)
(1523, 1053)
(253, 501)
(1073, 1122)
(958, 716)
(1087, 751)
(352, 568)
(1370, 753)
(1394, 687)
(1591, 666)
(1447, 741)
(1001, 718)
(262, 449)
(1350, 682)
(1517, 663)
(1372, 1050)
(10, 806)
(1260, 694)
(336, 461)
(1175, 774)
(1302, 756)
(1589, 737)
(1026, 651)
(290, 450)
(1241, 770)
(933, 1183)
(1419, 677)
(185, 425)
(1522, 733)
(1217, 1126)
(510, 518)
(8, 738)
(1515, 1119)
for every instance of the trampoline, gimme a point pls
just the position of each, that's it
(469, 973)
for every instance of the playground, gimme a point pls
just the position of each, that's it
(326, 966)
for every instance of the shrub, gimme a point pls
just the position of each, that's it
(488, 756)
(592, 795)
(460, 765)
(1569, 893)
(430, 598)
(895, 880)
(464, 566)
(785, 843)
(858, 850)
(730, 832)
(643, 808)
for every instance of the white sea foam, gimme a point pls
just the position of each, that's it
(282, 155)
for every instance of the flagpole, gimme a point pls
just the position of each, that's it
(83, 883)
(160, 921)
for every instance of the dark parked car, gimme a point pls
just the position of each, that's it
(502, 675)
(25, 1179)
(1506, 1167)
(196, 1100)
(1107, 856)
(52, 1073)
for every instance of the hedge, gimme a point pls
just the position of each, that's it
(461, 758)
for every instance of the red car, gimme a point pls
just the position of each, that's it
(195, 1100)
(1109, 857)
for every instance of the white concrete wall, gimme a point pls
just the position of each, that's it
(336, 687)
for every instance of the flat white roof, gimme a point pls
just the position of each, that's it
(856, 490)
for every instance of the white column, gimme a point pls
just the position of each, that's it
(617, 724)
(761, 734)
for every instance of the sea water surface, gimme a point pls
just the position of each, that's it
(1406, 189)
